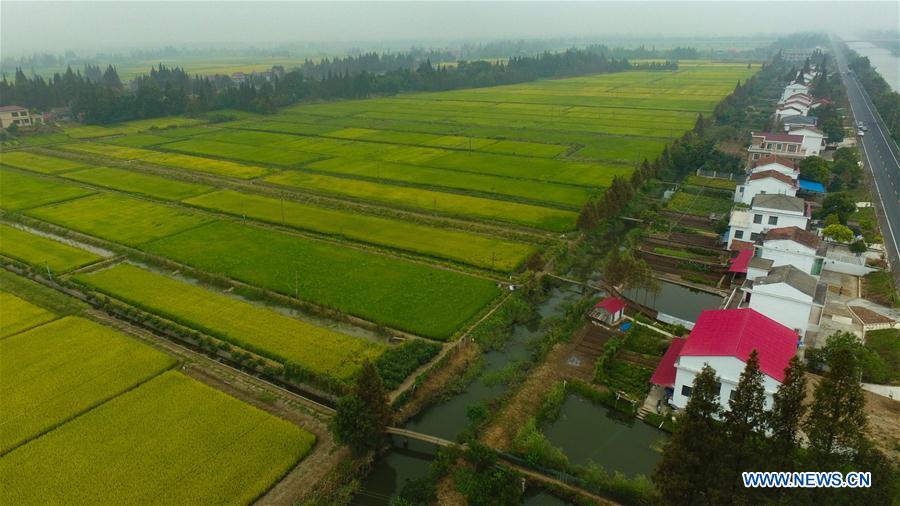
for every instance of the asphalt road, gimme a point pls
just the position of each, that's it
(882, 157)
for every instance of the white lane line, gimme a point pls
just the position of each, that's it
(887, 218)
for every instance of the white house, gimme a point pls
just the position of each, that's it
(768, 182)
(786, 110)
(764, 144)
(608, 311)
(792, 246)
(766, 212)
(14, 115)
(780, 164)
(802, 98)
(724, 339)
(788, 296)
(793, 89)
(813, 140)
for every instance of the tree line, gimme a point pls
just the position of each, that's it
(100, 97)
(886, 100)
(704, 460)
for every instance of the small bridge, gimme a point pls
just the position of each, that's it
(418, 436)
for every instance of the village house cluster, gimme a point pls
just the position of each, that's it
(792, 287)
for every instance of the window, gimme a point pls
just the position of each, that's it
(718, 387)
(773, 220)
(754, 236)
(731, 395)
(757, 218)
(686, 390)
(738, 234)
(15, 114)
(792, 148)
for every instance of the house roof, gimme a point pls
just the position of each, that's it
(781, 160)
(791, 276)
(736, 333)
(800, 120)
(869, 317)
(780, 137)
(12, 108)
(807, 128)
(740, 262)
(739, 245)
(781, 176)
(791, 105)
(760, 263)
(778, 201)
(795, 234)
(611, 304)
(665, 372)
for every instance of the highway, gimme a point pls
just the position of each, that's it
(882, 157)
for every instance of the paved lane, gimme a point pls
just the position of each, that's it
(881, 156)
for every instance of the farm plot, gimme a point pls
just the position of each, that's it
(136, 182)
(246, 325)
(20, 191)
(409, 296)
(38, 163)
(171, 441)
(19, 315)
(468, 248)
(118, 218)
(138, 140)
(61, 369)
(242, 152)
(555, 220)
(110, 150)
(558, 194)
(700, 205)
(41, 252)
(207, 165)
(130, 127)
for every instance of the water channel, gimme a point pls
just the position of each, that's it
(448, 419)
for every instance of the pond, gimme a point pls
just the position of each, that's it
(590, 432)
(676, 300)
(448, 419)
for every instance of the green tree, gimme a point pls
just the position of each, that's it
(745, 426)
(859, 246)
(689, 471)
(840, 203)
(837, 421)
(363, 415)
(838, 233)
(784, 420)
(815, 168)
(486, 483)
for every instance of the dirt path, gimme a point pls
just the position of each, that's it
(456, 365)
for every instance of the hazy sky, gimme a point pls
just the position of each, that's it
(54, 27)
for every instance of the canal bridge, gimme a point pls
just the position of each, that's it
(521, 466)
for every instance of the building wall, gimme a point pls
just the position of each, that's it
(22, 119)
(767, 185)
(753, 229)
(784, 252)
(728, 369)
(783, 304)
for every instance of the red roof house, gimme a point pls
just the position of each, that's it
(741, 261)
(609, 310)
(724, 339)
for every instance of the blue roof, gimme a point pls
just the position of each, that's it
(811, 186)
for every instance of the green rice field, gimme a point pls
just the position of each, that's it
(171, 440)
(20, 191)
(246, 325)
(119, 218)
(38, 163)
(19, 314)
(63, 368)
(41, 252)
(477, 250)
(409, 296)
(138, 183)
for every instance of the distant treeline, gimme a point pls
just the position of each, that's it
(886, 100)
(100, 97)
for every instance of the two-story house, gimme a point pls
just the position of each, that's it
(765, 182)
(766, 212)
(14, 115)
(787, 295)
